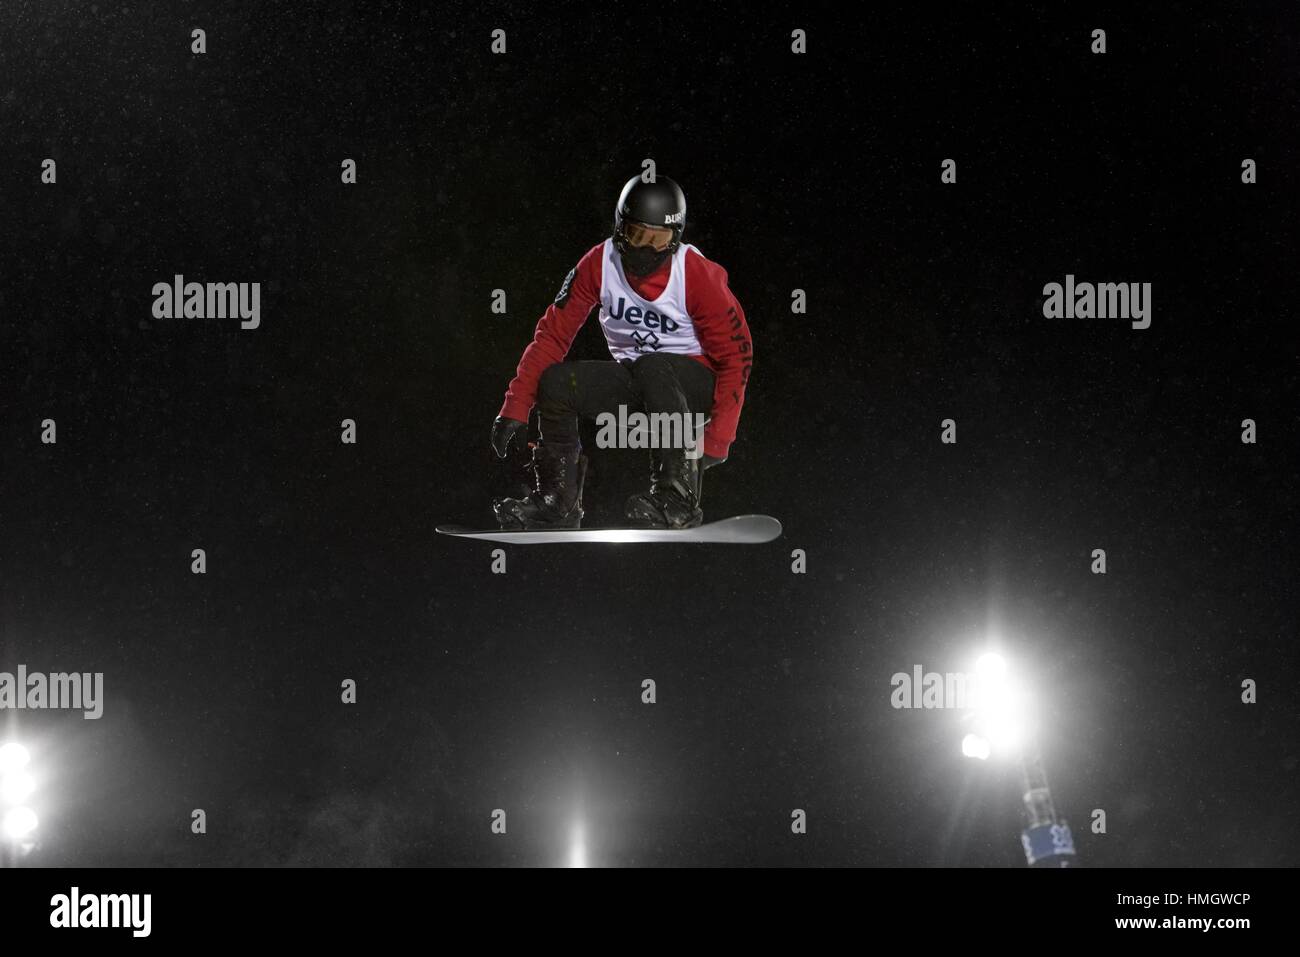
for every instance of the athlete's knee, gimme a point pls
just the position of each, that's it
(656, 364)
(555, 385)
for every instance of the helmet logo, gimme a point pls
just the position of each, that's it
(673, 219)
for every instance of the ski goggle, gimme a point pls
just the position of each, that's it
(657, 238)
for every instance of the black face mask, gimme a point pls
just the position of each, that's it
(643, 260)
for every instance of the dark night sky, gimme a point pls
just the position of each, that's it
(522, 691)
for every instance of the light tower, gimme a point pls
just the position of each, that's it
(1047, 841)
(1004, 727)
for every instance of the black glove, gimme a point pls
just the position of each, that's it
(709, 461)
(503, 430)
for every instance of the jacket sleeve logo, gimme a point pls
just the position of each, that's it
(563, 295)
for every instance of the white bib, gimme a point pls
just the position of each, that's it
(636, 327)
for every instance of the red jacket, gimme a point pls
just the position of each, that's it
(719, 323)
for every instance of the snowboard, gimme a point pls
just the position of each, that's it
(737, 530)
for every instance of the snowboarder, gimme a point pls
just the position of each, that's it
(680, 344)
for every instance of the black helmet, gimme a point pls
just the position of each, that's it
(659, 205)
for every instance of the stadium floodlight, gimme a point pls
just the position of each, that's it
(18, 823)
(13, 757)
(16, 787)
(991, 665)
(1001, 707)
(973, 746)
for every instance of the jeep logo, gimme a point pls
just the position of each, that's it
(633, 315)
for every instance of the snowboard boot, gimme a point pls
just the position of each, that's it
(556, 498)
(674, 497)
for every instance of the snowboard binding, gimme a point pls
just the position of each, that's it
(673, 501)
(556, 498)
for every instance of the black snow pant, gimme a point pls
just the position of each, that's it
(657, 382)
